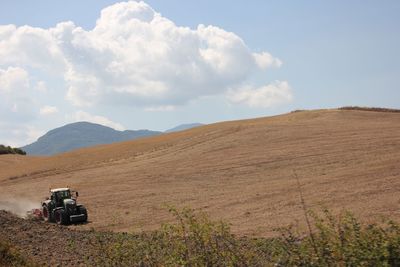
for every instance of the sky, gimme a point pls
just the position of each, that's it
(160, 63)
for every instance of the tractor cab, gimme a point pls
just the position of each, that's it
(58, 195)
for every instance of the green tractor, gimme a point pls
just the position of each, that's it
(62, 207)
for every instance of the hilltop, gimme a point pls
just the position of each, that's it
(239, 171)
(81, 134)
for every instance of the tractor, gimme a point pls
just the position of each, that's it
(62, 207)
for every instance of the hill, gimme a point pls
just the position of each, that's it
(78, 135)
(239, 171)
(183, 127)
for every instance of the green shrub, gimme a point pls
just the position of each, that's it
(9, 150)
(195, 240)
(341, 241)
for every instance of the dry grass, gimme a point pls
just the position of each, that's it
(371, 109)
(10, 256)
(240, 171)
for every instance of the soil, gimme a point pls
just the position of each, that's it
(48, 244)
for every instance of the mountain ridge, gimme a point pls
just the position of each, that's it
(79, 135)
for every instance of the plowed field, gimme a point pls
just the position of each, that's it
(239, 171)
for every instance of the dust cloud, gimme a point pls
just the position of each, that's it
(19, 207)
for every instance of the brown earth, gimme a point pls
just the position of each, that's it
(49, 244)
(239, 171)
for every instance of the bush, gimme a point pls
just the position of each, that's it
(10, 150)
(341, 241)
(195, 240)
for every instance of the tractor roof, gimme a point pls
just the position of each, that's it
(58, 189)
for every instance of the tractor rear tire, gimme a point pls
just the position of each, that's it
(61, 217)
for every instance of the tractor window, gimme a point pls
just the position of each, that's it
(63, 194)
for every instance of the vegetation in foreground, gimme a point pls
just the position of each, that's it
(195, 240)
(10, 150)
(10, 256)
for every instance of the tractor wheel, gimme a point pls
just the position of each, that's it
(46, 214)
(83, 210)
(61, 217)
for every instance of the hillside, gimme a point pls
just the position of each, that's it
(78, 135)
(240, 171)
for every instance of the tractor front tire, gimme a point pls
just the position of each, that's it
(83, 211)
(61, 217)
(46, 214)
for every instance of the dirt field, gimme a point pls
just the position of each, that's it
(47, 244)
(240, 171)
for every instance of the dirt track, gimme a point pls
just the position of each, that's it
(240, 171)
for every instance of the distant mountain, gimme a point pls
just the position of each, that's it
(183, 127)
(80, 134)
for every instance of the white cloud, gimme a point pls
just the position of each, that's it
(16, 104)
(30, 46)
(84, 116)
(48, 110)
(267, 96)
(134, 56)
(13, 79)
(265, 60)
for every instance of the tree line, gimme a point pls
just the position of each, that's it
(10, 150)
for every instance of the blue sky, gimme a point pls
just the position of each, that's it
(333, 53)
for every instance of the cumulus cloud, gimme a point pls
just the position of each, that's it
(13, 79)
(84, 116)
(134, 56)
(48, 110)
(267, 96)
(16, 104)
(30, 46)
(265, 60)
